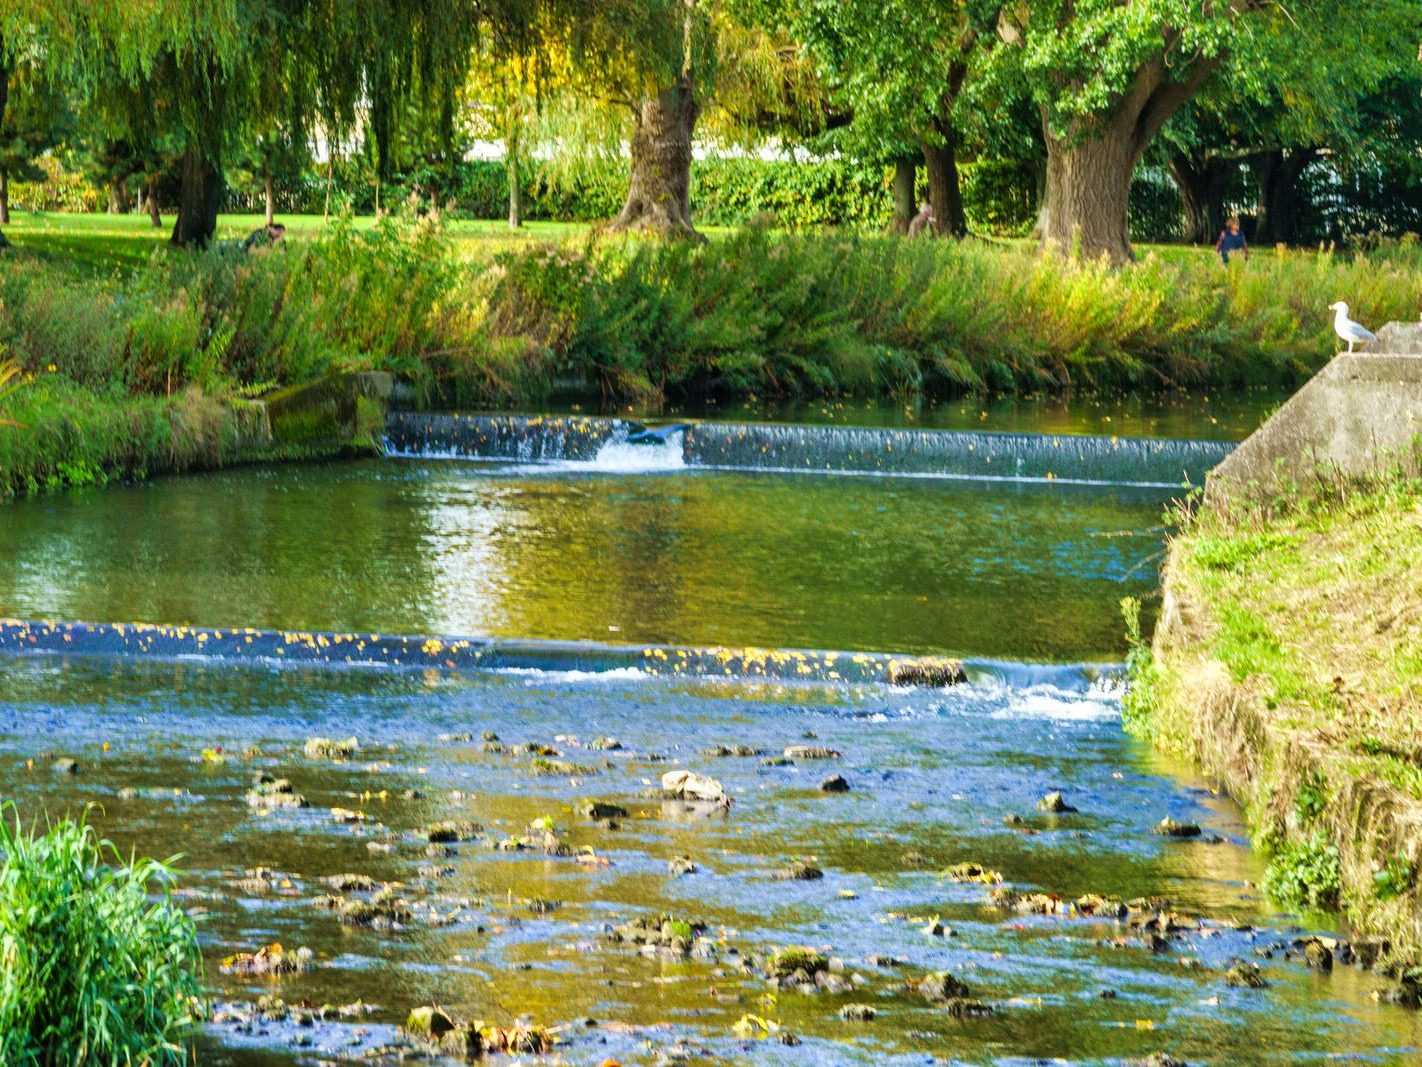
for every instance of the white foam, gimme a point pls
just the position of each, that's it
(536, 674)
(619, 456)
(1048, 702)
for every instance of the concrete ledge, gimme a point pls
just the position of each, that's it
(1358, 418)
(334, 412)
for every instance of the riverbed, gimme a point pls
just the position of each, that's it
(1020, 578)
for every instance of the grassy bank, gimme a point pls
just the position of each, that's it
(472, 316)
(1288, 663)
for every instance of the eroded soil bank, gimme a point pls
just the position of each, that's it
(1287, 663)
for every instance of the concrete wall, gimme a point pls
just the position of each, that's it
(1358, 417)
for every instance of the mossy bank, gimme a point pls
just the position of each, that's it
(1288, 663)
(61, 435)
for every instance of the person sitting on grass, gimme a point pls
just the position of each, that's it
(1231, 240)
(923, 222)
(263, 236)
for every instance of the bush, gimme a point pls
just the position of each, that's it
(93, 970)
(1305, 874)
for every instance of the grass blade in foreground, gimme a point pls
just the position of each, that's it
(93, 970)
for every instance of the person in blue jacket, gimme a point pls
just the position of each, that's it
(1231, 240)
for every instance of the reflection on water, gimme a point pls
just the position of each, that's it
(934, 775)
(971, 569)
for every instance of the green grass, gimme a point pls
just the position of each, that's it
(95, 970)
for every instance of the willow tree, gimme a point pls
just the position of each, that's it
(1107, 75)
(67, 44)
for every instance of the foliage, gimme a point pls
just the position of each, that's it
(1304, 874)
(1393, 878)
(1311, 798)
(94, 970)
(1142, 673)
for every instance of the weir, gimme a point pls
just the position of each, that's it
(469, 653)
(810, 449)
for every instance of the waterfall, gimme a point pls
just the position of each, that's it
(619, 446)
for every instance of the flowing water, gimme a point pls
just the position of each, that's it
(560, 578)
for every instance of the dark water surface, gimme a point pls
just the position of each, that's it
(632, 548)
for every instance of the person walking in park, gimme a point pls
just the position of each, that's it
(924, 222)
(1231, 240)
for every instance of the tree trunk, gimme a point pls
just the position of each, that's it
(4, 198)
(199, 201)
(905, 185)
(269, 190)
(1203, 183)
(155, 213)
(1089, 170)
(659, 186)
(515, 177)
(944, 191)
(119, 202)
(4, 101)
(1277, 175)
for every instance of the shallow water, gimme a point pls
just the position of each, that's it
(1022, 578)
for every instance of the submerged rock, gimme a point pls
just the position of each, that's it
(1168, 827)
(429, 1023)
(727, 751)
(664, 934)
(972, 872)
(835, 783)
(932, 672)
(350, 883)
(966, 1008)
(938, 987)
(799, 871)
(1317, 955)
(269, 794)
(555, 768)
(858, 1013)
(1011, 899)
(326, 748)
(606, 744)
(65, 765)
(1055, 804)
(270, 960)
(601, 811)
(1245, 975)
(680, 865)
(796, 966)
(799, 752)
(449, 831)
(777, 761)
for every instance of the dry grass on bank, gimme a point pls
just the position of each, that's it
(1288, 663)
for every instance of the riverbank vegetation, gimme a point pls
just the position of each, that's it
(135, 370)
(95, 970)
(1288, 661)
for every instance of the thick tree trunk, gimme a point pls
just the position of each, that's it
(1088, 196)
(944, 191)
(659, 186)
(1277, 175)
(905, 183)
(1089, 171)
(269, 191)
(199, 201)
(155, 213)
(4, 198)
(1203, 183)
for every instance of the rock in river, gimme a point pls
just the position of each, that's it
(1054, 803)
(688, 786)
(835, 783)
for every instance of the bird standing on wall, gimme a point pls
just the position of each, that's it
(1349, 330)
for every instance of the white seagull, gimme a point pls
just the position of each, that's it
(1349, 330)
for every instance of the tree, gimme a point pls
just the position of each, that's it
(900, 69)
(1107, 75)
(36, 119)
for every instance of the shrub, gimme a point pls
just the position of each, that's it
(1304, 874)
(94, 972)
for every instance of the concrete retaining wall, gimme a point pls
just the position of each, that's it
(1359, 417)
